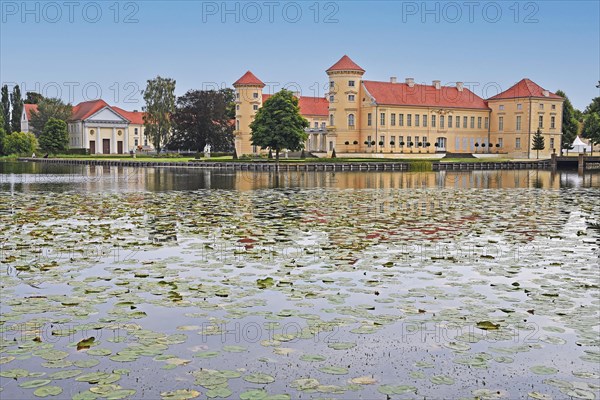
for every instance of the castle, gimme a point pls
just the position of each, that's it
(378, 118)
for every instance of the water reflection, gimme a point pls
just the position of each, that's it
(24, 177)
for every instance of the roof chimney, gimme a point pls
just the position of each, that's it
(393, 79)
(437, 84)
(545, 93)
(135, 110)
(410, 82)
(460, 86)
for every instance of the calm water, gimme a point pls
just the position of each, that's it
(150, 283)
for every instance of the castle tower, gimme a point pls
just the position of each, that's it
(345, 78)
(248, 92)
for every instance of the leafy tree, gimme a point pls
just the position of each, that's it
(591, 129)
(17, 109)
(49, 108)
(6, 109)
(20, 143)
(278, 124)
(33, 98)
(229, 95)
(570, 125)
(201, 118)
(55, 138)
(594, 107)
(2, 135)
(538, 142)
(160, 105)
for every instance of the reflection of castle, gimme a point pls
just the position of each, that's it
(368, 116)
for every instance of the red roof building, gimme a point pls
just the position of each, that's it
(525, 88)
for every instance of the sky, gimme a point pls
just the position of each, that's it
(83, 50)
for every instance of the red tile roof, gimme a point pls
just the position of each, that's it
(135, 117)
(87, 108)
(29, 108)
(387, 93)
(318, 106)
(345, 64)
(249, 79)
(524, 88)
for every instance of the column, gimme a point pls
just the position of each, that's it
(126, 139)
(86, 142)
(113, 141)
(99, 148)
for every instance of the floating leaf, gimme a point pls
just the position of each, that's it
(46, 391)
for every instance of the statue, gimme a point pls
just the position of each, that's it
(207, 150)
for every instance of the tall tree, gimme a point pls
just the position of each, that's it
(594, 106)
(278, 124)
(160, 105)
(33, 98)
(2, 135)
(49, 108)
(229, 95)
(54, 138)
(17, 109)
(201, 118)
(6, 109)
(591, 129)
(570, 125)
(538, 142)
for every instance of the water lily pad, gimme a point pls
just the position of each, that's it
(46, 391)
(254, 394)
(222, 392)
(364, 380)
(313, 357)
(543, 370)
(487, 326)
(341, 345)
(334, 370)
(181, 394)
(34, 383)
(442, 380)
(259, 378)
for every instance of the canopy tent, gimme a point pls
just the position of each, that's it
(579, 146)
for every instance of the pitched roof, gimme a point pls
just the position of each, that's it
(345, 64)
(28, 109)
(388, 93)
(309, 105)
(135, 117)
(524, 88)
(87, 108)
(249, 79)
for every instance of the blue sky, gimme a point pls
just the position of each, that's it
(106, 48)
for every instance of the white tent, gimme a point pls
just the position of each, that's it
(579, 146)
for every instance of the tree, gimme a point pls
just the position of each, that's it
(229, 95)
(17, 109)
(2, 135)
(55, 138)
(5, 109)
(20, 143)
(591, 129)
(278, 124)
(570, 125)
(33, 98)
(594, 106)
(201, 118)
(538, 142)
(49, 108)
(160, 105)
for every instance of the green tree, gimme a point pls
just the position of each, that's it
(33, 98)
(20, 143)
(5, 109)
(278, 124)
(594, 107)
(54, 138)
(570, 125)
(49, 108)
(591, 129)
(538, 142)
(2, 135)
(17, 109)
(160, 105)
(229, 95)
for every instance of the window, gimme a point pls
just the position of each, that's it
(416, 119)
(331, 120)
(465, 122)
(331, 84)
(433, 121)
(331, 98)
(518, 143)
(553, 106)
(408, 140)
(393, 119)
(254, 149)
(552, 122)
(237, 124)
(330, 145)
(457, 122)
(237, 95)
(351, 83)
(322, 125)
(350, 97)
(487, 122)
(472, 122)
(541, 121)
(382, 140)
(552, 143)
(478, 122)
(255, 95)
(424, 140)
(237, 107)
(351, 120)
(501, 142)
(449, 121)
(146, 141)
(393, 141)
(541, 106)
(369, 119)
(408, 119)
(369, 141)
(136, 142)
(400, 119)
(400, 140)
(424, 121)
(255, 107)
(518, 122)
(442, 121)
(382, 118)
(500, 123)
(519, 106)
(135, 131)
(501, 107)
(316, 125)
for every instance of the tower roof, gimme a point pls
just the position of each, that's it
(249, 79)
(345, 64)
(524, 88)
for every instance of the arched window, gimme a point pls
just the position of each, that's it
(351, 120)
(331, 120)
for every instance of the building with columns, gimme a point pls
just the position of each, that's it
(367, 117)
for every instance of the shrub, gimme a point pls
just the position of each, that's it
(20, 143)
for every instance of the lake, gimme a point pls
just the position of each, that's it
(190, 283)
